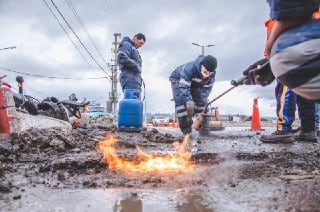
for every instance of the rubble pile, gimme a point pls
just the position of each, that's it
(58, 158)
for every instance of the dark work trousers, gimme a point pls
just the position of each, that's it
(286, 108)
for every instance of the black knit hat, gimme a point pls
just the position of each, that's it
(209, 62)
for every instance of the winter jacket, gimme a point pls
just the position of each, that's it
(191, 87)
(129, 58)
(284, 9)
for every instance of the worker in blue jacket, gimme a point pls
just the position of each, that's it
(191, 85)
(130, 62)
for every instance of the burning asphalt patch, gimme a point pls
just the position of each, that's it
(54, 159)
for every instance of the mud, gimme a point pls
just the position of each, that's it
(234, 171)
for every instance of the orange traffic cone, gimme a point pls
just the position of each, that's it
(255, 120)
(176, 124)
(173, 123)
(216, 114)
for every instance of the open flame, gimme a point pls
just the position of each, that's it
(179, 161)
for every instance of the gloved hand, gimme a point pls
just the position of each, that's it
(198, 122)
(190, 109)
(258, 73)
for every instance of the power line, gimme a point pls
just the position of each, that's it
(52, 77)
(114, 22)
(108, 17)
(76, 14)
(102, 69)
(114, 15)
(69, 37)
(65, 31)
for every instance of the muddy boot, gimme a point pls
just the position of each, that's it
(189, 123)
(190, 112)
(278, 137)
(186, 131)
(205, 129)
(307, 136)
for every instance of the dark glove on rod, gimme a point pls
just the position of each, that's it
(258, 73)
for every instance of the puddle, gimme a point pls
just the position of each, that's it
(116, 200)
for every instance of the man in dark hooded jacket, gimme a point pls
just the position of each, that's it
(191, 85)
(129, 61)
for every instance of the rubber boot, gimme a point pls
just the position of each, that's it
(205, 129)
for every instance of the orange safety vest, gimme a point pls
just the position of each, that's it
(269, 24)
(316, 15)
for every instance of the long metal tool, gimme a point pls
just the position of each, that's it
(241, 80)
(201, 120)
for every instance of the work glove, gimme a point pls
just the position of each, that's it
(258, 73)
(190, 109)
(199, 121)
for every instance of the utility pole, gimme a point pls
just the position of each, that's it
(202, 47)
(113, 95)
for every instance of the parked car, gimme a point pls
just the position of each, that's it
(157, 120)
(98, 111)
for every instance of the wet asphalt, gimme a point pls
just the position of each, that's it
(50, 170)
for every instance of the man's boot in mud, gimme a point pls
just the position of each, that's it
(205, 129)
(278, 137)
(310, 136)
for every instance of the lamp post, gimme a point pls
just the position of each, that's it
(10, 47)
(202, 47)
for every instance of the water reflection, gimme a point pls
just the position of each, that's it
(115, 200)
(129, 204)
(194, 203)
(180, 201)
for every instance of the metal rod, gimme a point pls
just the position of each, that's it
(11, 47)
(227, 91)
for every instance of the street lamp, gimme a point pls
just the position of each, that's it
(10, 47)
(202, 47)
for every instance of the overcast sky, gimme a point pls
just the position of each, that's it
(234, 27)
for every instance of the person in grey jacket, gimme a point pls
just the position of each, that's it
(129, 61)
(191, 85)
